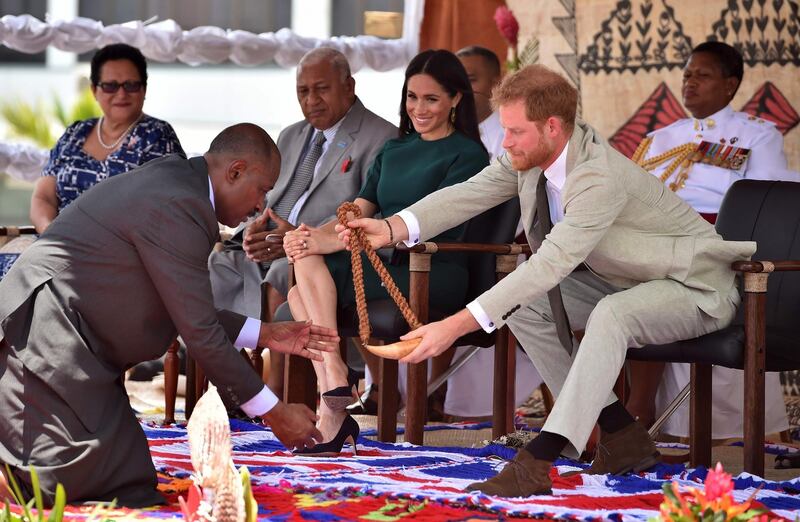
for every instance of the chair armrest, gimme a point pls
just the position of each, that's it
(11, 231)
(430, 247)
(757, 267)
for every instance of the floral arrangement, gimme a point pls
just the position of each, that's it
(715, 504)
(509, 27)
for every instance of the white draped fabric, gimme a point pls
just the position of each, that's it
(166, 41)
(21, 161)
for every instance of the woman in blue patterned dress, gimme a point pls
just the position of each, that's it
(92, 150)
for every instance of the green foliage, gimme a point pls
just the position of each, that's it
(85, 107)
(250, 504)
(28, 121)
(56, 513)
(34, 121)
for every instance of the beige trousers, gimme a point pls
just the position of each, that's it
(655, 312)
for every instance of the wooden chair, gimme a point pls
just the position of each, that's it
(487, 244)
(764, 336)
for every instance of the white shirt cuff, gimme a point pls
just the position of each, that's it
(264, 401)
(483, 319)
(412, 225)
(248, 335)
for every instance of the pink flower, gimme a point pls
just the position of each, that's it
(507, 24)
(718, 483)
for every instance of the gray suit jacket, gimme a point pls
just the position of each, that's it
(112, 281)
(621, 221)
(360, 137)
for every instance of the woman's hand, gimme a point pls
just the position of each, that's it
(306, 241)
(377, 231)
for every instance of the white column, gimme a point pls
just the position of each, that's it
(311, 18)
(61, 10)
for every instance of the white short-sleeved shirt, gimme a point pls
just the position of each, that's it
(707, 184)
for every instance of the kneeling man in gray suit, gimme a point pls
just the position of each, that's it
(110, 284)
(655, 272)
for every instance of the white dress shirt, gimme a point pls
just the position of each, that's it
(264, 400)
(556, 175)
(492, 135)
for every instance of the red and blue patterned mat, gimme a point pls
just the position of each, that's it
(390, 482)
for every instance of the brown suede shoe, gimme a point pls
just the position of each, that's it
(522, 477)
(629, 449)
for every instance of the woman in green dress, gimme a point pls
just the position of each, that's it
(439, 145)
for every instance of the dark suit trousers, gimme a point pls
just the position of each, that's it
(40, 429)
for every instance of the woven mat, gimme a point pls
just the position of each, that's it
(394, 481)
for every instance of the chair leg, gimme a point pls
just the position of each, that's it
(700, 416)
(170, 382)
(199, 381)
(416, 402)
(547, 398)
(502, 412)
(669, 410)
(257, 360)
(754, 368)
(457, 364)
(191, 397)
(299, 382)
(387, 400)
(417, 399)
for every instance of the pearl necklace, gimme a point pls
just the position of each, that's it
(121, 136)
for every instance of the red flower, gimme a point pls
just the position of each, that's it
(346, 164)
(189, 507)
(507, 24)
(718, 483)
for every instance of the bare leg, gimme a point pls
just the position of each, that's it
(317, 301)
(645, 376)
(276, 360)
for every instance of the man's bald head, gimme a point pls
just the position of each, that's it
(243, 164)
(244, 139)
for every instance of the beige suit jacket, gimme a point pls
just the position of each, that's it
(621, 221)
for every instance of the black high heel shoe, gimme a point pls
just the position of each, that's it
(367, 403)
(336, 399)
(352, 380)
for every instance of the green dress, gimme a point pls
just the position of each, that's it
(406, 170)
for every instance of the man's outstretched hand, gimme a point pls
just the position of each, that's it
(298, 338)
(293, 424)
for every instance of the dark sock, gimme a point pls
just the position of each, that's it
(547, 446)
(614, 417)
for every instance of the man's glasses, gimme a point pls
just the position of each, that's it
(112, 87)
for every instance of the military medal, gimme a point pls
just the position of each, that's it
(719, 155)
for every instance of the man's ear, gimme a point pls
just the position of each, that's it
(235, 170)
(553, 126)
